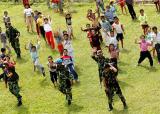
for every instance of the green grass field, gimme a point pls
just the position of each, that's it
(140, 85)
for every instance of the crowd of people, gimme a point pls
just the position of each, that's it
(104, 27)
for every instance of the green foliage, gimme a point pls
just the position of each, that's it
(140, 85)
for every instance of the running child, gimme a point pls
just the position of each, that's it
(123, 6)
(68, 18)
(35, 57)
(143, 20)
(144, 50)
(48, 32)
(52, 69)
(6, 19)
(119, 30)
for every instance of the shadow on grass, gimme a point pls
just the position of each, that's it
(125, 51)
(124, 84)
(44, 83)
(115, 111)
(122, 63)
(74, 108)
(121, 71)
(150, 69)
(21, 61)
(22, 110)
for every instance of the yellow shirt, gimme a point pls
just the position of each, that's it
(40, 21)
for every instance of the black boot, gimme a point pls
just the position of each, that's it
(19, 101)
(125, 105)
(69, 102)
(110, 107)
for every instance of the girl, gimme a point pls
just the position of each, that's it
(119, 30)
(6, 18)
(144, 50)
(55, 5)
(48, 32)
(123, 6)
(68, 18)
(143, 21)
(52, 70)
(59, 41)
(35, 19)
(113, 40)
(28, 13)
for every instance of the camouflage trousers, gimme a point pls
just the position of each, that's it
(14, 89)
(65, 89)
(16, 46)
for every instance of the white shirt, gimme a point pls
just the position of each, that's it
(157, 38)
(47, 27)
(118, 28)
(113, 40)
(68, 45)
(28, 12)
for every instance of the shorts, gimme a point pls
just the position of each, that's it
(120, 36)
(54, 5)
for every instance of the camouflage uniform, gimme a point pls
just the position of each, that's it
(65, 78)
(12, 34)
(13, 86)
(101, 63)
(112, 87)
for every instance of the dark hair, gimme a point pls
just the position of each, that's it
(33, 47)
(153, 28)
(110, 46)
(3, 50)
(141, 10)
(65, 50)
(50, 57)
(6, 12)
(39, 13)
(8, 56)
(45, 18)
(65, 35)
(116, 17)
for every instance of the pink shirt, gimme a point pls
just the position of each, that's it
(144, 45)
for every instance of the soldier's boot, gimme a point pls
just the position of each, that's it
(19, 101)
(123, 101)
(110, 107)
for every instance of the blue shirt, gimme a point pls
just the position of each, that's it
(109, 15)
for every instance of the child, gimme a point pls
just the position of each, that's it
(35, 58)
(144, 50)
(119, 30)
(40, 23)
(105, 29)
(113, 7)
(143, 20)
(28, 13)
(114, 54)
(100, 6)
(67, 60)
(91, 16)
(157, 4)
(52, 70)
(157, 42)
(9, 62)
(68, 18)
(3, 39)
(35, 19)
(59, 41)
(113, 40)
(123, 6)
(95, 40)
(109, 15)
(55, 5)
(68, 45)
(48, 32)
(6, 18)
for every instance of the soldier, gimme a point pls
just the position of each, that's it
(101, 60)
(13, 36)
(12, 79)
(64, 79)
(111, 85)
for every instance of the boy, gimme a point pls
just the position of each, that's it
(67, 60)
(68, 18)
(143, 21)
(113, 40)
(35, 58)
(52, 70)
(3, 39)
(119, 30)
(6, 18)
